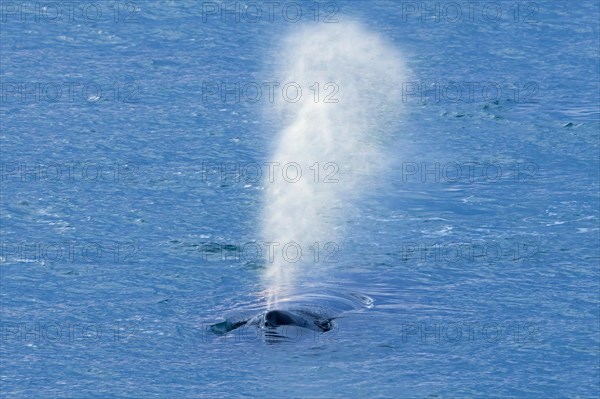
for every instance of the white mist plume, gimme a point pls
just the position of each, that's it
(349, 135)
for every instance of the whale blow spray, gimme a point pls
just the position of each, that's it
(342, 93)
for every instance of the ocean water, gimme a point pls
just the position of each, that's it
(464, 262)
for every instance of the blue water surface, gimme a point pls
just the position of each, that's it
(479, 245)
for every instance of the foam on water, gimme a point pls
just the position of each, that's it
(342, 134)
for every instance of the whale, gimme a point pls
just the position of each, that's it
(307, 314)
(272, 320)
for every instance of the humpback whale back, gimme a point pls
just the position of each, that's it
(272, 320)
(301, 314)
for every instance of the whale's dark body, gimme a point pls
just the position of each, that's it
(304, 316)
(275, 319)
